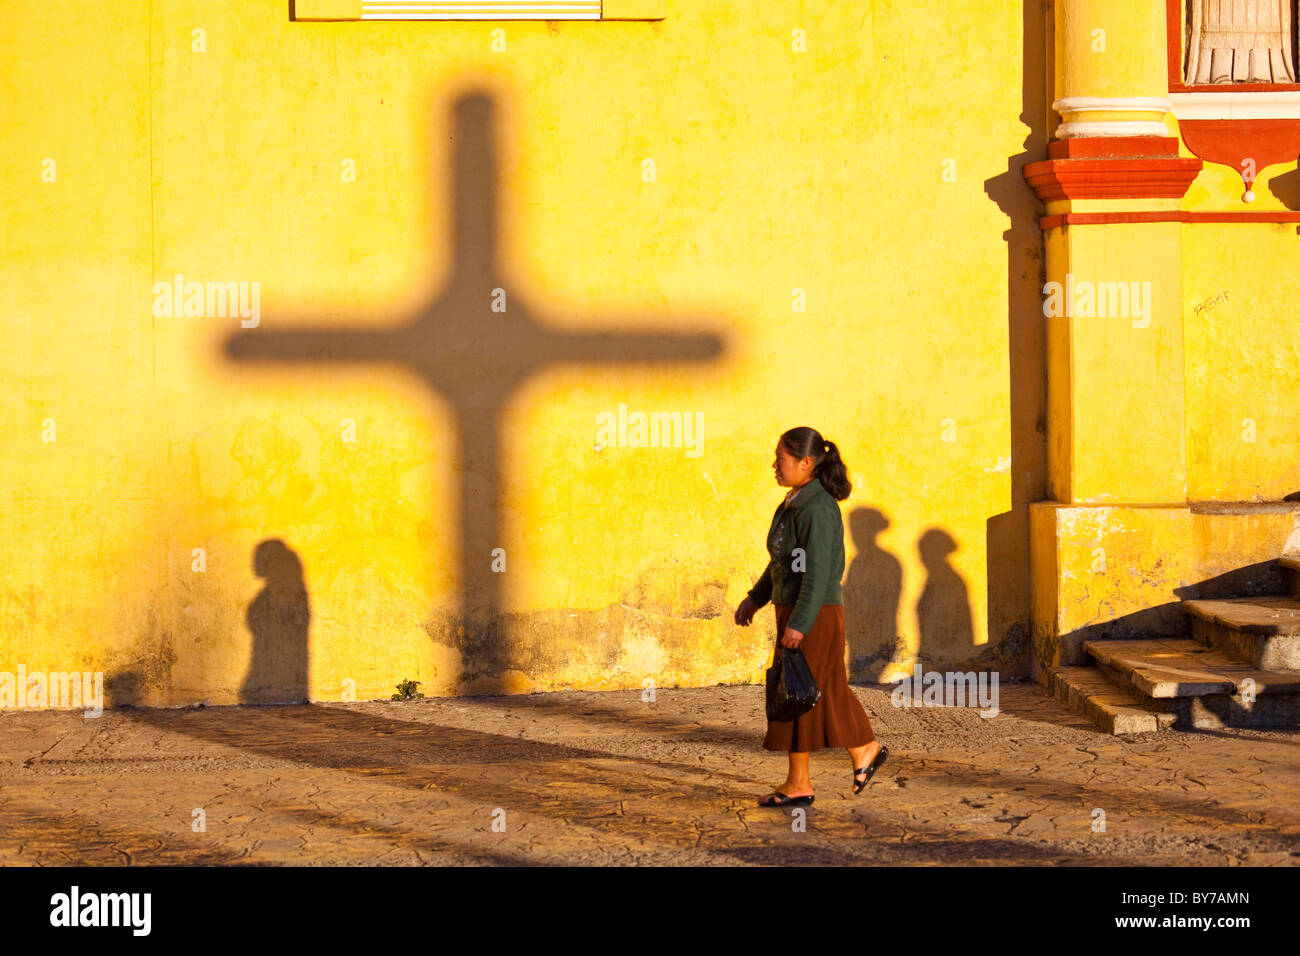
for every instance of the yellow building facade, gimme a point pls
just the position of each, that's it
(455, 348)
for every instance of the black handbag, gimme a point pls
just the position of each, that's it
(791, 690)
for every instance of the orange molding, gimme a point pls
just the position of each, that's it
(1168, 215)
(1112, 167)
(1231, 142)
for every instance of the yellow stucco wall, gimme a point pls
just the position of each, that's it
(867, 156)
(777, 169)
(1241, 286)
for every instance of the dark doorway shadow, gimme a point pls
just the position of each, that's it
(474, 344)
(1007, 534)
(278, 619)
(873, 589)
(943, 612)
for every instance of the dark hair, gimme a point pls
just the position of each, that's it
(804, 442)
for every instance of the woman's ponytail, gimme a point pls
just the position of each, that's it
(833, 474)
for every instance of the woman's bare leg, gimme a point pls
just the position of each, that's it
(797, 782)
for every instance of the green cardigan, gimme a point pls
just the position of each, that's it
(812, 522)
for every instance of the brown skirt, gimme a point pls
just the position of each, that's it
(838, 719)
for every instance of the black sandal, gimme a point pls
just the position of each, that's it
(869, 770)
(779, 799)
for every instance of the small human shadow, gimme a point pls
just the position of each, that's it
(278, 619)
(873, 588)
(943, 612)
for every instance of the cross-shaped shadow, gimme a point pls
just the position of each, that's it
(475, 355)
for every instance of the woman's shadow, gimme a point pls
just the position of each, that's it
(873, 589)
(278, 619)
(943, 612)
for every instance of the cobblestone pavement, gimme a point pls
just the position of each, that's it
(606, 778)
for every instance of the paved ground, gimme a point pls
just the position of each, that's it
(604, 778)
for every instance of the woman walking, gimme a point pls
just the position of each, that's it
(806, 545)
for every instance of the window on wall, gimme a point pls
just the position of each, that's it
(481, 10)
(1232, 45)
(478, 10)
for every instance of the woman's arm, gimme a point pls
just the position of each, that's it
(761, 592)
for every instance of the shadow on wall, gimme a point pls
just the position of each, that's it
(1286, 188)
(475, 344)
(476, 356)
(278, 619)
(943, 615)
(873, 590)
(1007, 534)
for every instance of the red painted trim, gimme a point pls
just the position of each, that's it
(1164, 215)
(1234, 88)
(1174, 61)
(1242, 217)
(1106, 218)
(1173, 41)
(1164, 177)
(1113, 147)
(1231, 142)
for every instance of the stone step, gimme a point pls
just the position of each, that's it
(1182, 667)
(1202, 686)
(1112, 708)
(1263, 631)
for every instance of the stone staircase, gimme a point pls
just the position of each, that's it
(1239, 668)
